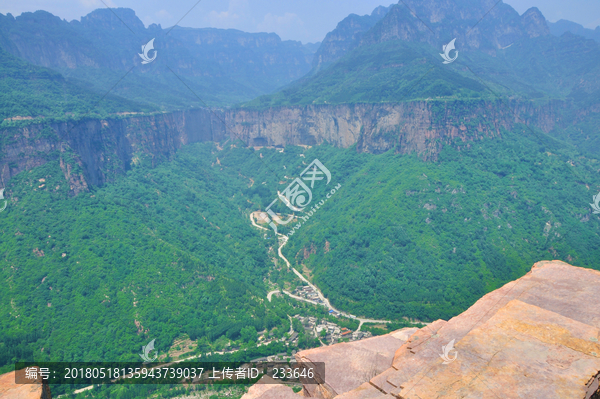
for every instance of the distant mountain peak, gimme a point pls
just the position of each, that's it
(112, 18)
(346, 36)
(562, 26)
(380, 11)
(481, 24)
(535, 23)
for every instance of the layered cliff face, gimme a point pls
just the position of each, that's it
(103, 148)
(94, 151)
(420, 126)
(536, 337)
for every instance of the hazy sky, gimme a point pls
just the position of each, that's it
(304, 20)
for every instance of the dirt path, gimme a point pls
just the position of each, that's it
(270, 294)
(283, 240)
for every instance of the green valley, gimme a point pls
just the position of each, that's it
(139, 196)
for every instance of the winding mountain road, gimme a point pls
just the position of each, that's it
(283, 240)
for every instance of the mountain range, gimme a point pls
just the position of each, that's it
(502, 56)
(222, 65)
(561, 26)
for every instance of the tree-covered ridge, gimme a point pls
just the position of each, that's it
(221, 66)
(545, 67)
(160, 253)
(407, 238)
(27, 90)
(384, 72)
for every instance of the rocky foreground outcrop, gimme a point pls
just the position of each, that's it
(10, 390)
(536, 337)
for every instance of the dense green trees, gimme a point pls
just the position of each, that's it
(170, 250)
(27, 90)
(249, 334)
(158, 254)
(384, 72)
(424, 240)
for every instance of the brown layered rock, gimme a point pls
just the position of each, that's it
(536, 337)
(522, 351)
(103, 148)
(349, 364)
(418, 126)
(10, 390)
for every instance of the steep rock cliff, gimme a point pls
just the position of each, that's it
(345, 37)
(420, 126)
(105, 148)
(102, 39)
(224, 66)
(535, 337)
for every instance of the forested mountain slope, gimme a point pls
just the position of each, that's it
(401, 238)
(425, 239)
(221, 66)
(161, 253)
(500, 55)
(32, 92)
(398, 59)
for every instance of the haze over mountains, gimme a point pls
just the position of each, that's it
(486, 48)
(224, 65)
(130, 186)
(559, 27)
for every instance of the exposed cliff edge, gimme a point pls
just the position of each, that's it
(104, 148)
(536, 337)
(419, 126)
(10, 390)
